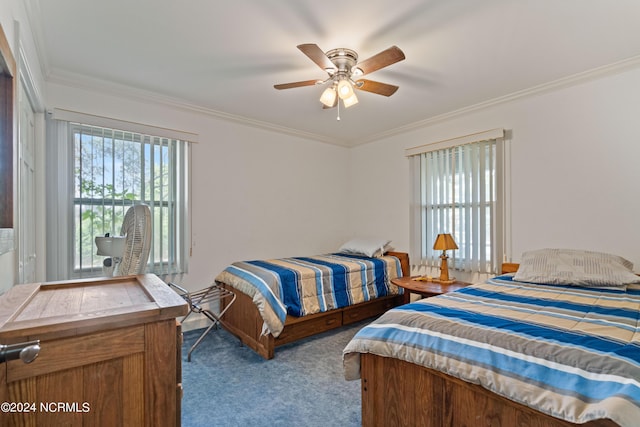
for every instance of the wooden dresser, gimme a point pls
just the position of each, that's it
(110, 353)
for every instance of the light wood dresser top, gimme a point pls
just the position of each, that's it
(68, 308)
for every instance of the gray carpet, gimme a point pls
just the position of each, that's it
(226, 384)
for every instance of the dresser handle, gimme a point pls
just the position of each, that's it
(25, 351)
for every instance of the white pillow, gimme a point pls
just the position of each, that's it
(370, 247)
(575, 267)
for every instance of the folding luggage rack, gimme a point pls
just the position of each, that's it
(196, 300)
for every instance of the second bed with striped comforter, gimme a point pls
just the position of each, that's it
(300, 286)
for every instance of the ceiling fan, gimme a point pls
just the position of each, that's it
(345, 71)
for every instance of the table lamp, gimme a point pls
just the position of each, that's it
(443, 243)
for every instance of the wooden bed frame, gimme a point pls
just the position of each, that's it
(399, 393)
(243, 320)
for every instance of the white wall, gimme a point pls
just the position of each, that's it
(255, 193)
(575, 174)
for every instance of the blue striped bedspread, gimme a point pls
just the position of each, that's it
(301, 286)
(570, 352)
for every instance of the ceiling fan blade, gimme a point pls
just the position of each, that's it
(317, 55)
(381, 60)
(297, 84)
(376, 87)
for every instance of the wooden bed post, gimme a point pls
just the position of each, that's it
(404, 262)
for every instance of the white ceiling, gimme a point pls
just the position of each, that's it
(225, 56)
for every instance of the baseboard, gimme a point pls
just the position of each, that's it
(198, 320)
(195, 321)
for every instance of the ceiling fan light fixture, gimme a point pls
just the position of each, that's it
(345, 73)
(328, 97)
(352, 100)
(345, 90)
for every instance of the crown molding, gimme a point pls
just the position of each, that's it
(80, 81)
(572, 80)
(101, 86)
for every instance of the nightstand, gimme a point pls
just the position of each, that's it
(426, 289)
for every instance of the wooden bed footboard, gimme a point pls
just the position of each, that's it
(243, 319)
(399, 393)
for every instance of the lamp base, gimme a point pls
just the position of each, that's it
(444, 271)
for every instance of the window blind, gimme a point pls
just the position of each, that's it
(104, 172)
(457, 187)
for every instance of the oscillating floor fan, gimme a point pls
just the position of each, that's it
(136, 228)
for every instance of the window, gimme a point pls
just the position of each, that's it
(107, 171)
(458, 189)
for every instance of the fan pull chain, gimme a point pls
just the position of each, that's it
(338, 118)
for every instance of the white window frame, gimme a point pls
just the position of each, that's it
(61, 207)
(470, 258)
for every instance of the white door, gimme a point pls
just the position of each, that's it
(26, 189)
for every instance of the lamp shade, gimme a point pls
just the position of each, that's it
(444, 242)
